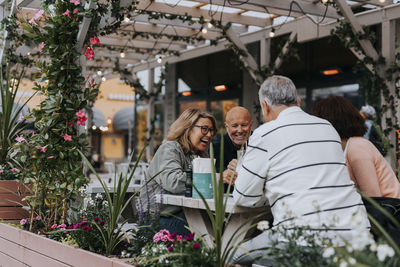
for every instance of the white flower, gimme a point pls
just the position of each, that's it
(349, 248)
(98, 196)
(263, 225)
(335, 259)
(343, 264)
(352, 261)
(384, 251)
(328, 252)
(105, 203)
(361, 239)
(91, 202)
(372, 247)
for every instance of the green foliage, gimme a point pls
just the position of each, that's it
(11, 125)
(55, 174)
(112, 234)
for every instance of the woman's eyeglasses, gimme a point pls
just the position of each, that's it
(205, 129)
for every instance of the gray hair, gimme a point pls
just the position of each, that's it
(368, 111)
(278, 90)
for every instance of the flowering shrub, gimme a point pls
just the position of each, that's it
(7, 173)
(36, 224)
(318, 251)
(82, 229)
(175, 250)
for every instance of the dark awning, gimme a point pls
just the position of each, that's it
(123, 118)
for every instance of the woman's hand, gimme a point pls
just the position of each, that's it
(232, 165)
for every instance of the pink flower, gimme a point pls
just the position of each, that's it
(189, 237)
(38, 14)
(41, 46)
(54, 226)
(81, 117)
(66, 13)
(162, 235)
(179, 238)
(20, 139)
(38, 218)
(23, 221)
(1, 171)
(170, 249)
(89, 54)
(62, 226)
(85, 227)
(67, 137)
(42, 148)
(75, 2)
(195, 246)
(76, 226)
(94, 40)
(20, 117)
(15, 170)
(51, 157)
(96, 219)
(90, 229)
(75, 11)
(102, 223)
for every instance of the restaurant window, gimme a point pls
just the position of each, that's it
(220, 108)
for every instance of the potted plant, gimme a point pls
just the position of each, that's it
(12, 123)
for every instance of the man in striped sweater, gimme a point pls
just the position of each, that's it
(295, 163)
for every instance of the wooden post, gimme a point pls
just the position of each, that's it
(171, 87)
(150, 116)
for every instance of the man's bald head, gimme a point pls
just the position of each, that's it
(238, 124)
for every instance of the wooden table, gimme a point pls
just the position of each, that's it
(199, 222)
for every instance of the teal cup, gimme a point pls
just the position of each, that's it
(203, 183)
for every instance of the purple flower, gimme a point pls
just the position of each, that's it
(76, 226)
(170, 249)
(102, 222)
(90, 229)
(195, 246)
(85, 227)
(96, 219)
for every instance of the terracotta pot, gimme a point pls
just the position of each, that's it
(11, 194)
(23, 248)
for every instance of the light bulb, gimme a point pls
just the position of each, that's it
(204, 30)
(122, 54)
(209, 25)
(159, 59)
(99, 72)
(126, 19)
(324, 1)
(103, 79)
(272, 33)
(94, 127)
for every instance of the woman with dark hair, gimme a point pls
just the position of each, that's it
(368, 169)
(188, 137)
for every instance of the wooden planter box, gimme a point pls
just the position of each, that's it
(20, 248)
(11, 194)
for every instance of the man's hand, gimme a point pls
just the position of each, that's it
(232, 165)
(229, 176)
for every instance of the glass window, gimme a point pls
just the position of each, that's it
(220, 108)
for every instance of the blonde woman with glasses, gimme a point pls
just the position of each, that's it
(188, 137)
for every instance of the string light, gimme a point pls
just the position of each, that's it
(324, 1)
(126, 19)
(159, 60)
(122, 55)
(272, 33)
(204, 30)
(103, 79)
(99, 73)
(209, 25)
(382, 1)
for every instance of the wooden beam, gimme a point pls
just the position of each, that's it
(150, 5)
(285, 49)
(5, 43)
(127, 43)
(278, 7)
(162, 40)
(169, 30)
(367, 18)
(84, 26)
(366, 45)
(248, 58)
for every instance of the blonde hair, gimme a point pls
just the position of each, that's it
(180, 129)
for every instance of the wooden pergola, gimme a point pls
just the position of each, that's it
(144, 43)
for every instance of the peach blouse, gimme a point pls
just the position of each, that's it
(369, 170)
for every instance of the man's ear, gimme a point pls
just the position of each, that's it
(265, 109)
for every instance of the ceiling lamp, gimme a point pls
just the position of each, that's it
(330, 72)
(186, 93)
(220, 88)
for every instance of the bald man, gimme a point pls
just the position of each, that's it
(238, 124)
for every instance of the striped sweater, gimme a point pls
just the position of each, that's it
(296, 163)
